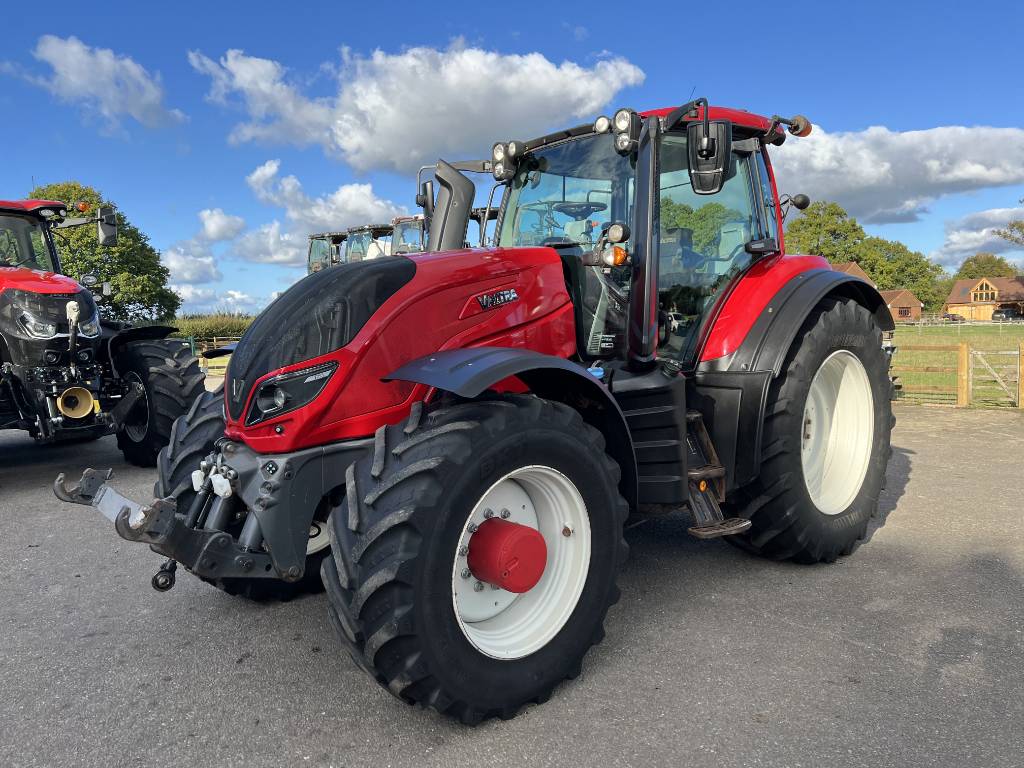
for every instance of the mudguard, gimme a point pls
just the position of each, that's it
(469, 372)
(731, 391)
(122, 336)
(769, 339)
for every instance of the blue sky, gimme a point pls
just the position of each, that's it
(317, 116)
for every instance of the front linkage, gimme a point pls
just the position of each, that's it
(232, 482)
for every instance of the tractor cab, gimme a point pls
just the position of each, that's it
(407, 234)
(370, 241)
(325, 250)
(648, 239)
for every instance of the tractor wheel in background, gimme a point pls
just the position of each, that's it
(825, 442)
(191, 441)
(420, 591)
(170, 374)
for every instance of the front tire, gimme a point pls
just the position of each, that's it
(170, 375)
(826, 441)
(399, 597)
(192, 439)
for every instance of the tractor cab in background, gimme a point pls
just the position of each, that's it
(369, 241)
(407, 234)
(325, 250)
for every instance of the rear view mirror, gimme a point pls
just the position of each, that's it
(710, 154)
(106, 226)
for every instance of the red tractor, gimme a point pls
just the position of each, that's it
(67, 374)
(454, 440)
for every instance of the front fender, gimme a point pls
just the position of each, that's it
(118, 338)
(469, 372)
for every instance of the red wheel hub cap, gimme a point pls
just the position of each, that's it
(507, 555)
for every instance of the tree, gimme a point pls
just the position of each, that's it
(133, 268)
(706, 222)
(1014, 232)
(985, 265)
(825, 229)
(894, 266)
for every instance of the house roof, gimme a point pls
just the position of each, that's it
(853, 268)
(901, 297)
(1007, 288)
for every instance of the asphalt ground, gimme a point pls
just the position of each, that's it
(908, 653)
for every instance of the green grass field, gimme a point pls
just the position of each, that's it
(934, 370)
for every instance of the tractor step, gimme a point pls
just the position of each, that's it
(727, 527)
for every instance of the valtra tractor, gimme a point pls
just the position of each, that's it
(455, 439)
(67, 374)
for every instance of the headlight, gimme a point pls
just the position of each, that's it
(39, 329)
(498, 152)
(288, 392)
(622, 120)
(90, 327)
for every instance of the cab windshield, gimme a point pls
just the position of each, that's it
(407, 237)
(561, 197)
(24, 242)
(357, 245)
(319, 254)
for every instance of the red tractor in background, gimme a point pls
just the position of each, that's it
(66, 373)
(454, 440)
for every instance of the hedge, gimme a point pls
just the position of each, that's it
(208, 326)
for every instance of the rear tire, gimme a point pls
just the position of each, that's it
(192, 439)
(817, 492)
(399, 531)
(171, 376)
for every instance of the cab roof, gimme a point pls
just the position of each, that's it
(29, 206)
(736, 116)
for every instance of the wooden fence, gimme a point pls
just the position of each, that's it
(218, 365)
(957, 374)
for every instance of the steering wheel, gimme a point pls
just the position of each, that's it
(578, 211)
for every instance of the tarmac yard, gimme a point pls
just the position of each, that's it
(909, 653)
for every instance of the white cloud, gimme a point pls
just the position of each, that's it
(348, 205)
(101, 82)
(976, 233)
(271, 244)
(192, 261)
(880, 175)
(218, 226)
(400, 111)
(286, 244)
(203, 300)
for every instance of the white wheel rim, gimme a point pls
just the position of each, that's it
(837, 432)
(506, 625)
(319, 537)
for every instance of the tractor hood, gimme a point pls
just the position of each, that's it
(319, 314)
(35, 281)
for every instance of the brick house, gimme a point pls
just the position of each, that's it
(903, 304)
(977, 298)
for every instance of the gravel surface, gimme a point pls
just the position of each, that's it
(909, 653)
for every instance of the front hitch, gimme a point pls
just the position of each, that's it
(211, 554)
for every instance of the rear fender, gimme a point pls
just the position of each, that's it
(469, 372)
(732, 391)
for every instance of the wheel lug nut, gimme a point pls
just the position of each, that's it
(472, 527)
(505, 514)
(488, 513)
(463, 550)
(466, 573)
(479, 586)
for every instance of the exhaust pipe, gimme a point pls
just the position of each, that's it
(76, 402)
